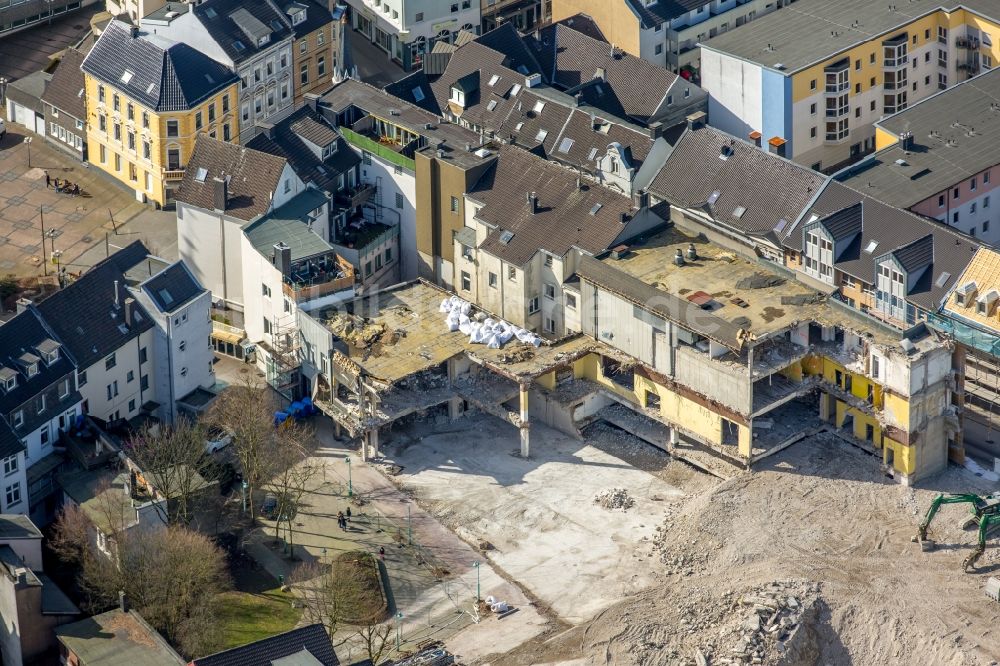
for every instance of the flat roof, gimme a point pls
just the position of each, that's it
(17, 526)
(808, 32)
(954, 136)
(417, 338)
(117, 639)
(779, 303)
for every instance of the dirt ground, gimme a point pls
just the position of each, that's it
(806, 560)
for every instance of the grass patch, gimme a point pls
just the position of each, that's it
(244, 618)
(357, 576)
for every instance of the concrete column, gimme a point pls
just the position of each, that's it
(455, 408)
(372, 444)
(525, 425)
(336, 428)
(674, 438)
(824, 407)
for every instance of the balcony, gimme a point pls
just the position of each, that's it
(357, 196)
(383, 147)
(313, 279)
(173, 172)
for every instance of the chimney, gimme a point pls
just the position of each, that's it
(135, 31)
(679, 257)
(906, 140)
(129, 305)
(22, 576)
(221, 194)
(122, 601)
(640, 199)
(655, 130)
(267, 128)
(579, 98)
(696, 120)
(692, 252)
(533, 202)
(283, 258)
(776, 145)
(117, 304)
(623, 217)
(755, 137)
(312, 100)
(23, 304)
(600, 73)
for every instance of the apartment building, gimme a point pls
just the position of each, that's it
(527, 223)
(259, 238)
(813, 80)
(407, 30)
(666, 34)
(17, 15)
(66, 107)
(38, 401)
(522, 14)
(148, 98)
(936, 158)
(318, 43)
(31, 603)
(418, 166)
(253, 39)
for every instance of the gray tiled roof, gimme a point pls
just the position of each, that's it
(570, 58)
(810, 31)
(768, 188)
(253, 177)
(28, 91)
(845, 223)
(232, 21)
(652, 15)
(162, 75)
(955, 135)
(917, 254)
(895, 230)
(172, 287)
(416, 89)
(317, 15)
(84, 315)
(285, 141)
(65, 90)
(563, 220)
(312, 637)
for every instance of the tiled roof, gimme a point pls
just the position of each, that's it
(253, 176)
(570, 58)
(65, 90)
(984, 270)
(172, 287)
(917, 254)
(756, 190)
(845, 223)
(84, 315)
(159, 74)
(285, 141)
(415, 89)
(312, 638)
(564, 218)
(652, 15)
(235, 23)
(954, 136)
(310, 128)
(586, 25)
(885, 230)
(505, 39)
(28, 90)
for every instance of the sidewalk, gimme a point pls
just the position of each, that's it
(431, 582)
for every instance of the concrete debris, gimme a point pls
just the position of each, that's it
(614, 499)
(803, 299)
(760, 281)
(518, 354)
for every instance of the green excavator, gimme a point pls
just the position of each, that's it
(985, 513)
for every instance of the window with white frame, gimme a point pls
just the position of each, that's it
(10, 465)
(13, 494)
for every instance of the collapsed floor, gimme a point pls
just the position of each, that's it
(806, 560)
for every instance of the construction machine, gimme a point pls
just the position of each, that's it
(985, 513)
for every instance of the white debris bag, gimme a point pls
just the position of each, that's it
(523, 335)
(445, 306)
(499, 607)
(505, 333)
(453, 321)
(478, 335)
(464, 325)
(490, 600)
(493, 342)
(466, 308)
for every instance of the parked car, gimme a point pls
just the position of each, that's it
(3, 129)
(270, 507)
(218, 439)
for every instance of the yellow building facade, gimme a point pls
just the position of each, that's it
(146, 105)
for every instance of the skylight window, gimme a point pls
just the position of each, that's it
(517, 128)
(506, 237)
(542, 133)
(739, 211)
(782, 223)
(494, 79)
(596, 207)
(592, 154)
(238, 45)
(201, 175)
(871, 246)
(149, 89)
(713, 198)
(539, 105)
(210, 13)
(418, 94)
(565, 145)
(943, 279)
(515, 90)
(492, 105)
(126, 76)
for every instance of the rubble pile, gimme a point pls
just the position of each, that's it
(614, 499)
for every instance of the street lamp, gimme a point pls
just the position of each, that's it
(243, 487)
(399, 628)
(475, 565)
(27, 141)
(3, 89)
(350, 484)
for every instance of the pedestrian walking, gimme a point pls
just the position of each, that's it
(348, 514)
(48, 180)
(341, 521)
(381, 553)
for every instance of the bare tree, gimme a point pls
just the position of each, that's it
(326, 598)
(170, 574)
(170, 459)
(247, 410)
(375, 640)
(293, 477)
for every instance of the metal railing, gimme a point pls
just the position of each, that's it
(375, 148)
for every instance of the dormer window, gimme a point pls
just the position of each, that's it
(263, 40)
(9, 381)
(298, 17)
(986, 304)
(966, 294)
(48, 349)
(329, 150)
(32, 370)
(457, 96)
